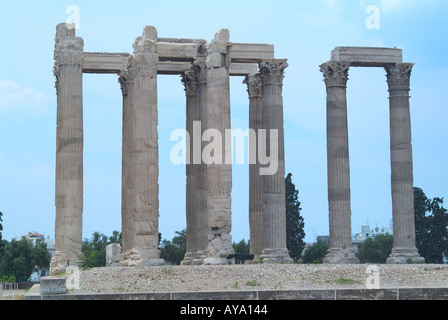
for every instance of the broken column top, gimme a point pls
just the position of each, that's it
(367, 56)
(65, 30)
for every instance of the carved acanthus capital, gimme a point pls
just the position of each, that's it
(254, 86)
(399, 75)
(335, 73)
(200, 71)
(273, 71)
(123, 81)
(190, 83)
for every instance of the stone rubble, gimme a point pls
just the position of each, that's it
(257, 277)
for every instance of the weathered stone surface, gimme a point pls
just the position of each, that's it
(274, 210)
(69, 149)
(205, 68)
(53, 285)
(218, 175)
(398, 78)
(402, 177)
(338, 164)
(367, 56)
(95, 62)
(113, 255)
(140, 205)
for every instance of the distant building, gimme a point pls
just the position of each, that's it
(359, 238)
(35, 238)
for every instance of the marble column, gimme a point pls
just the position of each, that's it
(256, 195)
(201, 194)
(218, 170)
(274, 209)
(69, 149)
(192, 115)
(402, 179)
(340, 251)
(140, 207)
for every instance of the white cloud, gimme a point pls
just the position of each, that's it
(16, 97)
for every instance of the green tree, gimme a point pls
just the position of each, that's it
(294, 221)
(41, 256)
(174, 251)
(2, 242)
(376, 250)
(431, 227)
(316, 253)
(94, 250)
(21, 258)
(1, 225)
(241, 248)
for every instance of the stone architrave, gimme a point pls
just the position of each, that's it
(256, 195)
(140, 190)
(274, 210)
(402, 179)
(69, 149)
(218, 168)
(340, 251)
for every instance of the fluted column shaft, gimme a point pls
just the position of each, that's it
(274, 218)
(140, 161)
(218, 171)
(338, 162)
(192, 115)
(201, 230)
(69, 149)
(256, 194)
(402, 179)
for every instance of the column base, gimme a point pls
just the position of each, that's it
(256, 260)
(134, 258)
(219, 248)
(341, 256)
(61, 260)
(275, 256)
(404, 255)
(188, 259)
(199, 259)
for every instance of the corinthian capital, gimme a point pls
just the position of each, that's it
(399, 74)
(335, 73)
(273, 71)
(253, 82)
(190, 83)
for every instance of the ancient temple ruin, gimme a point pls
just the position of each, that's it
(398, 78)
(205, 68)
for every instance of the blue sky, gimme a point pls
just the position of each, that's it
(304, 32)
